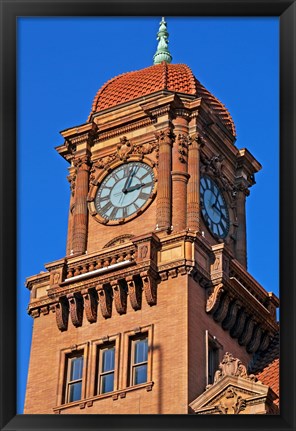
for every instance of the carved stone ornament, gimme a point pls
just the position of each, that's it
(124, 148)
(82, 163)
(72, 182)
(234, 391)
(231, 403)
(119, 240)
(165, 137)
(214, 165)
(231, 366)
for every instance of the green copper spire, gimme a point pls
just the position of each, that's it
(162, 52)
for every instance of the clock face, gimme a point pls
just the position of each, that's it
(213, 207)
(124, 191)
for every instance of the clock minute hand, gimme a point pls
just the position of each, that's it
(128, 181)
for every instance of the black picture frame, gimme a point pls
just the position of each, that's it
(10, 10)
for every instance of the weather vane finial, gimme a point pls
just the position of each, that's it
(162, 52)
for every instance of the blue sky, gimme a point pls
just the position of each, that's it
(62, 62)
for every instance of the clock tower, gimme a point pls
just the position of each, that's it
(154, 288)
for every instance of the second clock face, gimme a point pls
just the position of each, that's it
(124, 191)
(213, 207)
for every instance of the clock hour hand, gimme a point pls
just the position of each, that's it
(136, 187)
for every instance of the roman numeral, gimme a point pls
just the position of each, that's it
(113, 213)
(107, 206)
(143, 195)
(125, 212)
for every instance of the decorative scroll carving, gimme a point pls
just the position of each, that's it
(231, 403)
(90, 304)
(102, 163)
(72, 182)
(62, 314)
(230, 366)
(150, 287)
(119, 240)
(215, 166)
(82, 163)
(135, 293)
(222, 310)
(165, 136)
(239, 324)
(247, 332)
(76, 308)
(105, 301)
(230, 319)
(214, 298)
(119, 296)
(255, 340)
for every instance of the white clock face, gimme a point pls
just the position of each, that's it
(213, 207)
(124, 191)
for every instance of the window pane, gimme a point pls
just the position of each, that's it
(76, 368)
(141, 351)
(108, 359)
(75, 391)
(107, 383)
(140, 375)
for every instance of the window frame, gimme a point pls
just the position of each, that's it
(100, 373)
(64, 372)
(133, 364)
(212, 345)
(68, 381)
(126, 354)
(93, 376)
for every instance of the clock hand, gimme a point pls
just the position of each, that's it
(214, 204)
(136, 187)
(128, 181)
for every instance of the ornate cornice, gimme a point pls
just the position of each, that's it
(104, 136)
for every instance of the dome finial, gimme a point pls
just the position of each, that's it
(162, 52)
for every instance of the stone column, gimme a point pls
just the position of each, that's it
(71, 179)
(164, 192)
(80, 218)
(179, 171)
(193, 213)
(241, 236)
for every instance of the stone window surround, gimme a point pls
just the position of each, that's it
(92, 377)
(128, 336)
(64, 355)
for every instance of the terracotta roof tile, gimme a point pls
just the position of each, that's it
(270, 376)
(173, 77)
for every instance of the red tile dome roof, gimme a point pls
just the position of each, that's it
(173, 77)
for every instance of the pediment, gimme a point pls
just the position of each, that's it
(234, 395)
